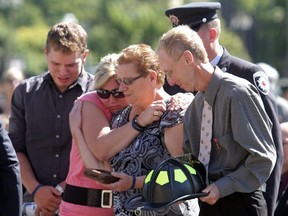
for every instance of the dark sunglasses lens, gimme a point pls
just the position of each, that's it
(118, 94)
(103, 94)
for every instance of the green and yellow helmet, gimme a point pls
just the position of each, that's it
(171, 181)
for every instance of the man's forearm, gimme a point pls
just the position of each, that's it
(28, 178)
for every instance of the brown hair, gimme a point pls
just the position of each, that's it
(67, 37)
(145, 59)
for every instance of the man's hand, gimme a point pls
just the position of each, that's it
(181, 101)
(48, 200)
(213, 194)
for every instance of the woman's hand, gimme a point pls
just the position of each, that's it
(152, 113)
(125, 182)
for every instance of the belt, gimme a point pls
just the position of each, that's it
(88, 196)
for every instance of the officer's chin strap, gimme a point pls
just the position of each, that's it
(138, 211)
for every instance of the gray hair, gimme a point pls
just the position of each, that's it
(182, 38)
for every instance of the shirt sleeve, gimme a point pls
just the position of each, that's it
(251, 129)
(17, 125)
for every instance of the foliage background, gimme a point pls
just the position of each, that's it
(254, 30)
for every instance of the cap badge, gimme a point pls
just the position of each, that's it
(174, 20)
(204, 20)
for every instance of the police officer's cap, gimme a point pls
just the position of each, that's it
(193, 14)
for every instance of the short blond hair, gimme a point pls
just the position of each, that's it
(105, 70)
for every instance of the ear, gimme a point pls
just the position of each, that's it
(188, 57)
(45, 51)
(84, 56)
(213, 34)
(153, 75)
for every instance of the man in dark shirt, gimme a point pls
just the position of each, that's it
(10, 178)
(202, 18)
(39, 122)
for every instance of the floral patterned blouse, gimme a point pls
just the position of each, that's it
(142, 155)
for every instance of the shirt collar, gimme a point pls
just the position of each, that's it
(214, 84)
(82, 80)
(217, 58)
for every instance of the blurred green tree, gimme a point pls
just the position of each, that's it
(113, 25)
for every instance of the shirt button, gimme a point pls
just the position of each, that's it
(60, 96)
(54, 175)
(58, 116)
(57, 136)
(57, 155)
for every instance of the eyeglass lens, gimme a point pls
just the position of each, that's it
(127, 81)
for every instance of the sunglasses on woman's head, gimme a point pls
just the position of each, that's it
(127, 81)
(105, 94)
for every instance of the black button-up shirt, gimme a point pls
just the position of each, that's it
(39, 124)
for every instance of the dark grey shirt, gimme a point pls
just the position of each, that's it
(243, 153)
(39, 124)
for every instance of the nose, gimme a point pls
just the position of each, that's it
(63, 70)
(122, 87)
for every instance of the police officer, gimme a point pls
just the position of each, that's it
(202, 17)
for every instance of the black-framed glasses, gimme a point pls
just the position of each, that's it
(127, 81)
(105, 94)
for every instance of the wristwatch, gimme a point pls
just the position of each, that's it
(60, 189)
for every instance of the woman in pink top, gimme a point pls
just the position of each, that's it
(83, 196)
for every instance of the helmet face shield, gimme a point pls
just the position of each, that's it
(171, 181)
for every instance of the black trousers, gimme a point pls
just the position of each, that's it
(282, 205)
(236, 204)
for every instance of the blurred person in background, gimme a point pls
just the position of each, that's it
(282, 204)
(283, 84)
(10, 79)
(39, 121)
(202, 17)
(282, 103)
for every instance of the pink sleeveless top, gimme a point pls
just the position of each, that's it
(76, 172)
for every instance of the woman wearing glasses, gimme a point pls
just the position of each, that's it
(153, 132)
